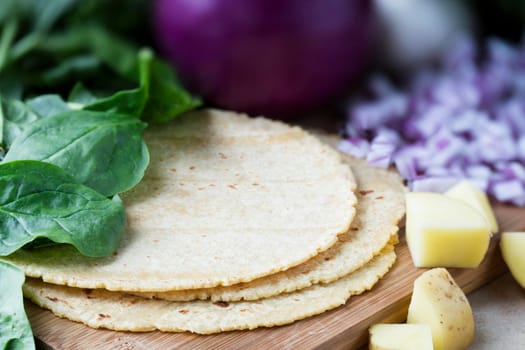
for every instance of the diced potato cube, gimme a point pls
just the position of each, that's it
(439, 302)
(512, 246)
(444, 232)
(469, 193)
(384, 336)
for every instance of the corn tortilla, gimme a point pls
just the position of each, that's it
(226, 199)
(380, 206)
(119, 311)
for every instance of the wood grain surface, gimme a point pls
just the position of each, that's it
(343, 328)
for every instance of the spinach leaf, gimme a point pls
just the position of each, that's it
(42, 200)
(48, 105)
(81, 65)
(10, 86)
(167, 98)
(33, 19)
(6, 40)
(15, 330)
(104, 151)
(159, 97)
(130, 101)
(49, 46)
(41, 15)
(46, 13)
(81, 96)
(15, 116)
(117, 53)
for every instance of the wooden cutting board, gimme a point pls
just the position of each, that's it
(345, 327)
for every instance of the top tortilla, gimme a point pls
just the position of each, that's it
(380, 206)
(226, 199)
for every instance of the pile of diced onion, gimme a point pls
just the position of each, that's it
(462, 120)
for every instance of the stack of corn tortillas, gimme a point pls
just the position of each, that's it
(239, 223)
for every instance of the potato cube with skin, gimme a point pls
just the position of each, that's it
(444, 232)
(440, 303)
(396, 336)
(469, 193)
(512, 246)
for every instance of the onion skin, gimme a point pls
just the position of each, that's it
(272, 57)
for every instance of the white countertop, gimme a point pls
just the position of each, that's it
(499, 313)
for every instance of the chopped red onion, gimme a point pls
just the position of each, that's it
(512, 170)
(374, 115)
(355, 146)
(437, 171)
(480, 175)
(434, 183)
(406, 161)
(462, 120)
(511, 113)
(382, 148)
(508, 190)
(521, 148)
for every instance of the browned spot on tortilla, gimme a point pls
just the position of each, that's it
(184, 311)
(88, 293)
(221, 303)
(365, 192)
(53, 299)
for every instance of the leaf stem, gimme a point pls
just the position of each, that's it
(8, 35)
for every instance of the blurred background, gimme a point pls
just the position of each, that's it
(435, 88)
(285, 58)
(278, 58)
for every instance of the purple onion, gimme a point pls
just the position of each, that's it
(265, 56)
(463, 120)
(355, 146)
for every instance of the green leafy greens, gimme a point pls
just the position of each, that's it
(42, 200)
(103, 151)
(51, 45)
(51, 49)
(76, 92)
(15, 330)
(14, 117)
